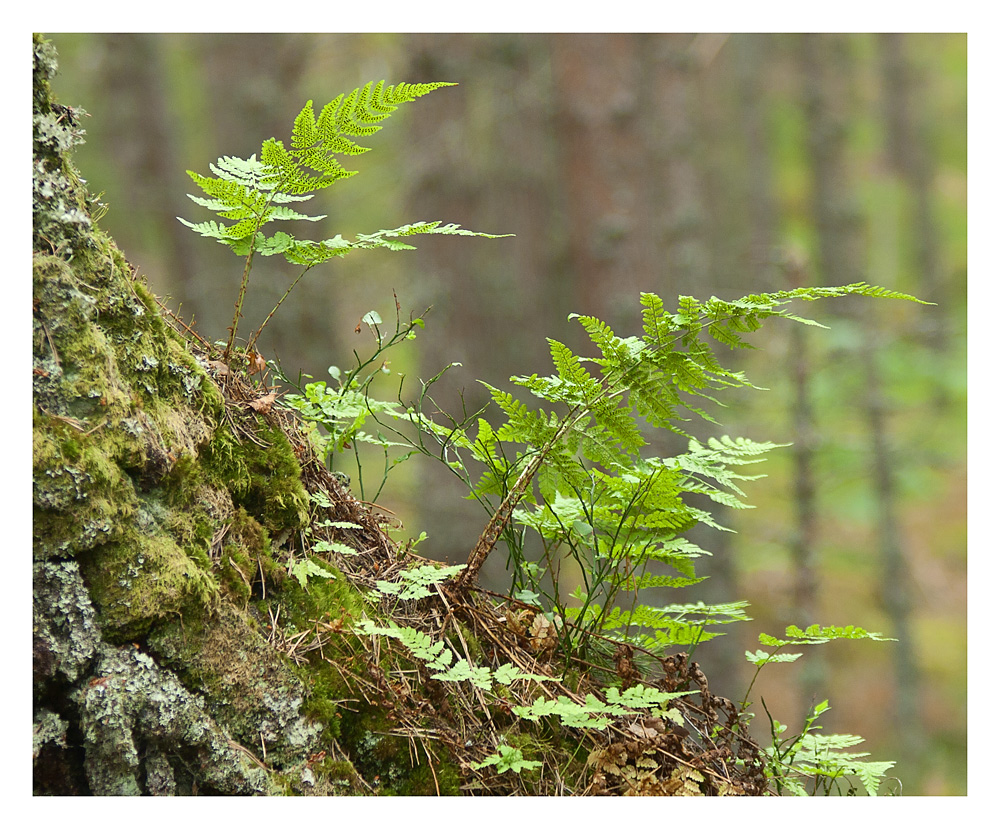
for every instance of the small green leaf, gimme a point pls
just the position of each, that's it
(334, 547)
(506, 759)
(760, 657)
(306, 568)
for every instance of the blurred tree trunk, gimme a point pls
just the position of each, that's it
(133, 74)
(805, 534)
(709, 245)
(758, 199)
(827, 72)
(837, 232)
(911, 158)
(601, 91)
(252, 94)
(488, 165)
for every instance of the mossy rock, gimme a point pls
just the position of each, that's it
(152, 531)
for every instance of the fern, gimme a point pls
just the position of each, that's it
(816, 635)
(569, 461)
(250, 193)
(594, 713)
(307, 568)
(821, 758)
(812, 635)
(416, 582)
(575, 469)
(506, 759)
(436, 657)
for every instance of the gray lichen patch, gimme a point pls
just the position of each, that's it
(142, 730)
(48, 727)
(65, 636)
(60, 205)
(250, 688)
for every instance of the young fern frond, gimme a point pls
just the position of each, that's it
(316, 142)
(252, 193)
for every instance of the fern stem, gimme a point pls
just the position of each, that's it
(501, 517)
(244, 281)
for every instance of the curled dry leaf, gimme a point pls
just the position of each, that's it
(256, 363)
(543, 634)
(263, 404)
(517, 621)
(648, 728)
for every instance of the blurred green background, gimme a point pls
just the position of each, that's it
(673, 163)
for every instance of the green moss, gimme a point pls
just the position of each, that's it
(384, 760)
(134, 480)
(265, 480)
(331, 601)
(143, 580)
(185, 482)
(251, 689)
(342, 772)
(246, 555)
(81, 498)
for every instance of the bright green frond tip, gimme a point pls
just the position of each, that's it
(817, 635)
(249, 190)
(247, 194)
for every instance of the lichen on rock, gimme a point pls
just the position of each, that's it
(134, 711)
(151, 673)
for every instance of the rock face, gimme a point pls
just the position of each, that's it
(153, 524)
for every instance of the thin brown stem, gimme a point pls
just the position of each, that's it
(253, 339)
(501, 517)
(244, 281)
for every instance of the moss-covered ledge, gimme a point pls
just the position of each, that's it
(154, 666)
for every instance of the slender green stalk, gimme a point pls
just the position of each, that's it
(244, 281)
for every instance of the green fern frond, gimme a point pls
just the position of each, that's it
(592, 713)
(643, 697)
(251, 192)
(649, 580)
(508, 674)
(817, 635)
(462, 671)
(434, 654)
(507, 758)
(387, 238)
(761, 658)
(316, 141)
(674, 624)
(416, 582)
(307, 568)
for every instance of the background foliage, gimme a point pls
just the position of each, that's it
(679, 164)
